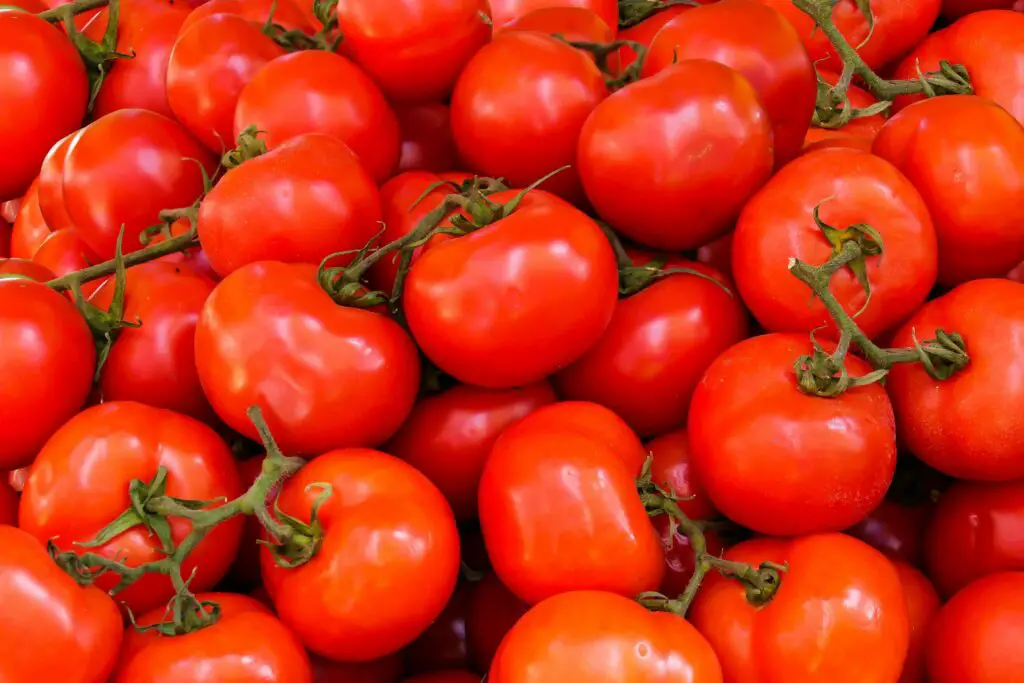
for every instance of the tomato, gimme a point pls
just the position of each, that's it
(859, 130)
(384, 670)
(79, 483)
(29, 229)
(492, 612)
(660, 179)
(896, 530)
(965, 426)
(8, 504)
(922, 605)
(285, 13)
(504, 12)
(672, 470)
(839, 600)
(760, 44)
(414, 50)
(850, 187)
(575, 24)
(443, 645)
(602, 638)
(975, 638)
(44, 90)
(824, 464)
(645, 31)
(46, 367)
(210, 63)
(519, 106)
(426, 138)
(656, 348)
(511, 303)
(65, 252)
(50, 186)
(451, 676)
(351, 375)
(246, 643)
(32, 6)
(954, 9)
(449, 436)
(54, 629)
(680, 561)
(17, 266)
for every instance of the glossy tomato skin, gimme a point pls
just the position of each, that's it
(246, 643)
(519, 106)
(396, 586)
(967, 426)
(896, 530)
(823, 464)
(426, 138)
(660, 180)
(46, 367)
(476, 304)
(50, 186)
(352, 376)
(44, 91)
(605, 638)
(443, 646)
(124, 169)
(492, 612)
(849, 187)
(64, 631)
(317, 199)
(575, 24)
(672, 470)
(922, 605)
(860, 131)
(657, 346)
(65, 252)
(504, 12)
(975, 638)
(760, 44)
(813, 630)
(79, 483)
(285, 13)
(29, 228)
(449, 436)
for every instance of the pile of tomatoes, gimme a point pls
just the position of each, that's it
(422, 341)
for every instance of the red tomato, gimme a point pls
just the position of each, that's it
(29, 229)
(31, 6)
(443, 645)
(426, 138)
(46, 367)
(850, 187)
(513, 302)
(660, 179)
(504, 12)
(602, 638)
(967, 426)
(384, 670)
(53, 629)
(519, 106)
(645, 31)
(79, 483)
(396, 585)
(826, 615)
(656, 348)
(954, 9)
(247, 643)
(50, 186)
(671, 469)
(922, 605)
(449, 436)
(451, 676)
(575, 24)
(285, 13)
(64, 252)
(18, 266)
(44, 90)
(761, 45)
(8, 504)
(896, 530)
(493, 611)
(350, 375)
(862, 129)
(829, 461)
(976, 636)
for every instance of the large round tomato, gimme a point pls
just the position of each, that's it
(30, 228)
(506, 11)
(426, 138)
(922, 605)
(779, 461)
(849, 187)
(50, 186)
(79, 484)
(492, 612)
(838, 600)
(657, 176)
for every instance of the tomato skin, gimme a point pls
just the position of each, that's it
(672, 469)
(65, 252)
(246, 643)
(660, 180)
(656, 348)
(67, 632)
(603, 638)
(896, 530)
(546, 266)
(850, 187)
(444, 644)
(748, 408)
(50, 186)
(576, 24)
(19, 266)
(952, 425)
(975, 638)
(645, 31)
(397, 586)
(679, 558)
(861, 130)
(285, 13)
(384, 670)
(79, 483)
(922, 605)
(504, 12)
(762, 46)
(46, 367)
(811, 631)
(44, 91)
(29, 229)
(353, 374)
(448, 437)
(8, 504)
(492, 612)
(426, 138)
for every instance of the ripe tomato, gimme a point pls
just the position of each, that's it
(575, 24)
(965, 426)
(285, 13)
(19, 266)
(862, 129)
(426, 138)
(44, 90)
(850, 187)
(8, 504)
(46, 367)
(492, 612)
(672, 470)
(79, 483)
(504, 12)
(449, 436)
(443, 645)
(922, 605)
(660, 179)
(513, 302)
(645, 31)
(839, 599)
(896, 530)
(395, 586)
(53, 628)
(65, 252)
(50, 186)
(384, 670)
(29, 229)
(246, 643)
(602, 638)
(976, 636)
(830, 461)
(351, 375)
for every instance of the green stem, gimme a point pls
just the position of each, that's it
(632, 12)
(70, 9)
